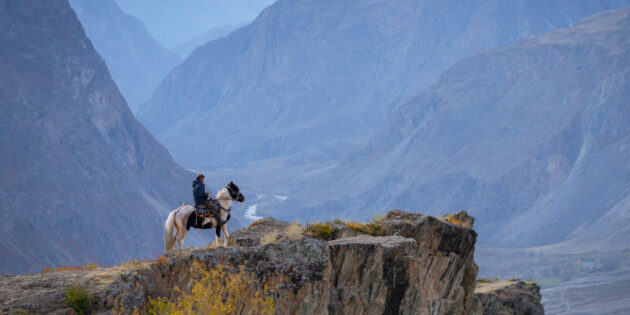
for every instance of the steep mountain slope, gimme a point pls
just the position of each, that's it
(184, 50)
(136, 61)
(80, 179)
(310, 80)
(532, 140)
(190, 19)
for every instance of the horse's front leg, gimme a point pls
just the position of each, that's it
(216, 236)
(227, 235)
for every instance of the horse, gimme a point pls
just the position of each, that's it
(184, 217)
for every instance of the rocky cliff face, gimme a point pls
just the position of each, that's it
(81, 181)
(422, 265)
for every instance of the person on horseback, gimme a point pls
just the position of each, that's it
(203, 198)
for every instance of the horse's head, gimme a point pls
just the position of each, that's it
(235, 192)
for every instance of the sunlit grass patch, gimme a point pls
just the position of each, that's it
(294, 231)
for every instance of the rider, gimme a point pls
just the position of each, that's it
(202, 197)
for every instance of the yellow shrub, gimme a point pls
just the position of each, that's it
(218, 292)
(161, 260)
(91, 266)
(269, 238)
(339, 221)
(452, 219)
(374, 228)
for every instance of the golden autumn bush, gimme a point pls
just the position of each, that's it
(320, 230)
(373, 228)
(218, 291)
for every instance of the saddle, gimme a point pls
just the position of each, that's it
(204, 212)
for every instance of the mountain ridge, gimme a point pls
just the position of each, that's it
(80, 176)
(308, 82)
(502, 133)
(135, 60)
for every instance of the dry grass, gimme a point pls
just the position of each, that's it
(452, 219)
(254, 223)
(161, 260)
(218, 291)
(71, 268)
(91, 266)
(373, 228)
(294, 231)
(269, 238)
(19, 311)
(378, 217)
(131, 263)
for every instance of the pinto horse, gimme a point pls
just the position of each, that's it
(182, 218)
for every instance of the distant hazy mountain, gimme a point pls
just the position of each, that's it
(136, 61)
(175, 23)
(80, 179)
(533, 140)
(310, 80)
(185, 49)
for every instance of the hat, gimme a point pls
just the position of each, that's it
(200, 176)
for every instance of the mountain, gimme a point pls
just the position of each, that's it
(184, 50)
(310, 81)
(81, 181)
(531, 139)
(188, 20)
(136, 61)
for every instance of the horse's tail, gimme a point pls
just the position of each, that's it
(169, 238)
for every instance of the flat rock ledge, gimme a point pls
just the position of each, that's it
(512, 296)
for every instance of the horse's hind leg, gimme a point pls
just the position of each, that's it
(180, 235)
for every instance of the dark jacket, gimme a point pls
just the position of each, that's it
(199, 192)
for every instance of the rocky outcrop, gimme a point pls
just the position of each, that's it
(422, 265)
(508, 297)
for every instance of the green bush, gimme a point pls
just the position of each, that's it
(79, 300)
(321, 230)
